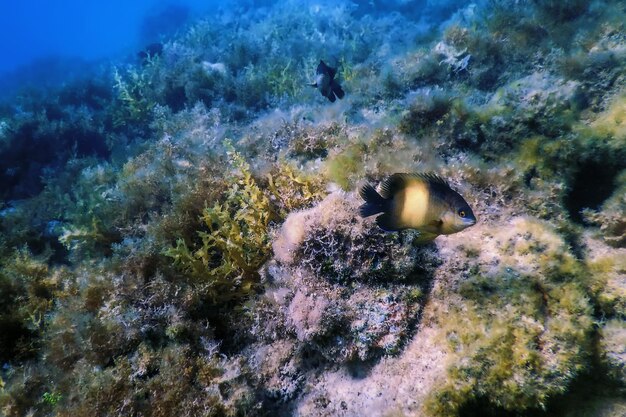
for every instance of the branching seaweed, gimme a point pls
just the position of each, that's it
(237, 242)
(291, 190)
(135, 106)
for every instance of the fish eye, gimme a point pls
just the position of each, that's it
(462, 213)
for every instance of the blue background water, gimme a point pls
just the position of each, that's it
(86, 30)
(46, 43)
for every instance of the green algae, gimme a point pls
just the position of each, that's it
(520, 336)
(346, 165)
(511, 105)
(132, 93)
(237, 242)
(28, 291)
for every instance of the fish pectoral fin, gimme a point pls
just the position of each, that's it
(435, 225)
(331, 96)
(387, 223)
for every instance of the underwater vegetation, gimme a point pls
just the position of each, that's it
(238, 242)
(180, 234)
(535, 319)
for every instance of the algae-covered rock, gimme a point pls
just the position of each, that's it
(613, 345)
(333, 241)
(612, 216)
(349, 290)
(607, 283)
(520, 326)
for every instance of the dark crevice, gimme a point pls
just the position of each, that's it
(592, 183)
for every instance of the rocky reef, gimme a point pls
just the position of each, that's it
(180, 235)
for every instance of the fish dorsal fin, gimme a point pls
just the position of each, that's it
(397, 182)
(392, 184)
(433, 178)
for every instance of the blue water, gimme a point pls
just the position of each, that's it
(46, 43)
(44, 31)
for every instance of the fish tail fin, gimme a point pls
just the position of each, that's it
(331, 96)
(374, 202)
(336, 88)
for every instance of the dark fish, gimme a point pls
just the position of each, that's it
(424, 202)
(326, 83)
(150, 51)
